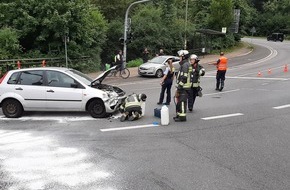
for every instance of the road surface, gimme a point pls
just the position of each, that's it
(237, 139)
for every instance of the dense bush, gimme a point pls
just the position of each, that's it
(135, 63)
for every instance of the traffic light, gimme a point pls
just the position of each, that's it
(121, 40)
(129, 37)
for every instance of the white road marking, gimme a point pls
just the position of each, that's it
(58, 119)
(263, 72)
(222, 116)
(273, 53)
(224, 92)
(35, 162)
(253, 78)
(282, 107)
(128, 128)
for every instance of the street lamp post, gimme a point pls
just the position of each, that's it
(185, 25)
(65, 49)
(126, 28)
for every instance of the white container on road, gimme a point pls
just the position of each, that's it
(164, 115)
(143, 108)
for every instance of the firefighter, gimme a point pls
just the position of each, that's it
(183, 85)
(197, 71)
(131, 108)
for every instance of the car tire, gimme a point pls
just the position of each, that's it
(159, 73)
(12, 108)
(97, 109)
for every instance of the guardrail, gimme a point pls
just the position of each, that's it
(10, 64)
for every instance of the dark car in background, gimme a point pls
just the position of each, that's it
(276, 37)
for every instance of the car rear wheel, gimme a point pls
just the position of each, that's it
(12, 108)
(97, 109)
(159, 73)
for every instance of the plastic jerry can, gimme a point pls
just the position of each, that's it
(164, 115)
(107, 66)
(143, 108)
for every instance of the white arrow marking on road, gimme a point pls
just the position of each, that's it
(127, 128)
(222, 116)
(282, 107)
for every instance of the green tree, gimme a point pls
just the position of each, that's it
(221, 14)
(278, 6)
(112, 9)
(9, 44)
(274, 17)
(247, 15)
(42, 25)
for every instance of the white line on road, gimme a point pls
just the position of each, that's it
(59, 119)
(273, 53)
(252, 78)
(128, 128)
(282, 107)
(222, 116)
(224, 92)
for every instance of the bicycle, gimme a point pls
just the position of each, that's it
(124, 73)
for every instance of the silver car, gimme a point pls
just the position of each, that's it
(57, 89)
(157, 65)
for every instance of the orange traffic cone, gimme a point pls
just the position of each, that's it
(286, 68)
(259, 74)
(269, 71)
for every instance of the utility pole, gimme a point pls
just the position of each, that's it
(126, 29)
(185, 25)
(66, 40)
(65, 49)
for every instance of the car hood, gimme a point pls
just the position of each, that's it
(103, 75)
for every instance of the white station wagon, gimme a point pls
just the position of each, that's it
(57, 89)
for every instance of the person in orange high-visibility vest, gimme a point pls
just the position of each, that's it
(222, 65)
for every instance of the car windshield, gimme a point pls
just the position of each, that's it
(158, 60)
(80, 76)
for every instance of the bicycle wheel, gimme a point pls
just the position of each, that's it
(111, 73)
(125, 73)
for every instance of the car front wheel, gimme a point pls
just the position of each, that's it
(159, 73)
(12, 108)
(97, 109)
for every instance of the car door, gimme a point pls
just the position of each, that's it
(31, 88)
(63, 92)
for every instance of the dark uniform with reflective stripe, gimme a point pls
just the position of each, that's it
(131, 108)
(183, 87)
(197, 71)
